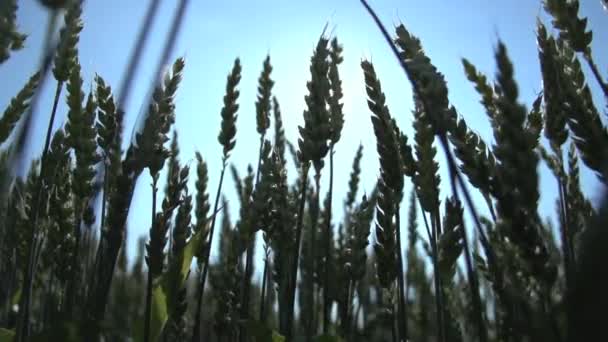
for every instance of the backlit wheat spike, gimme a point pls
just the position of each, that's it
(67, 51)
(477, 162)
(314, 136)
(17, 107)
(335, 107)
(262, 105)
(430, 83)
(81, 137)
(588, 132)
(553, 89)
(279, 131)
(390, 190)
(482, 86)
(149, 151)
(61, 226)
(229, 116)
(572, 28)
(353, 182)
(201, 210)
(427, 178)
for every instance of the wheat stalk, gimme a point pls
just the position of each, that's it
(227, 140)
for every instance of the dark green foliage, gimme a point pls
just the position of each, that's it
(515, 155)
(176, 329)
(10, 38)
(225, 279)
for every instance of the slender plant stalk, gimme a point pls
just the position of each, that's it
(35, 238)
(402, 314)
(326, 298)
(471, 274)
(249, 260)
(197, 336)
(596, 73)
(439, 305)
(294, 262)
(263, 295)
(147, 317)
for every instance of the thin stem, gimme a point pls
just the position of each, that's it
(72, 290)
(294, 262)
(326, 298)
(263, 296)
(403, 333)
(564, 227)
(246, 288)
(249, 257)
(313, 253)
(596, 73)
(197, 320)
(35, 237)
(346, 311)
(437, 280)
(471, 274)
(196, 335)
(150, 275)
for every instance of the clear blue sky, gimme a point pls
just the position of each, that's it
(215, 32)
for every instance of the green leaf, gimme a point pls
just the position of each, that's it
(262, 333)
(164, 292)
(328, 338)
(6, 335)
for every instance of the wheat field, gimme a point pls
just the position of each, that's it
(400, 262)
